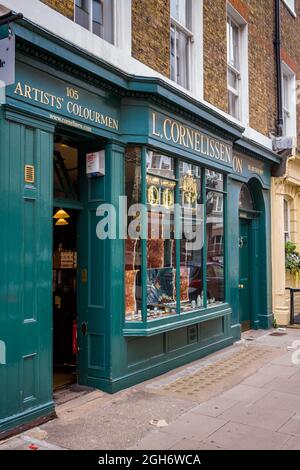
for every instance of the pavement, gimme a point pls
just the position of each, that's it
(245, 397)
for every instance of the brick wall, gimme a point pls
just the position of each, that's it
(262, 66)
(260, 18)
(151, 34)
(215, 53)
(290, 50)
(65, 7)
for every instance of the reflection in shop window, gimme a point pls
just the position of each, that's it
(191, 269)
(215, 247)
(133, 256)
(168, 261)
(161, 252)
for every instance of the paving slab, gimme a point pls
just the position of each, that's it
(277, 370)
(292, 426)
(291, 385)
(236, 436)
(292, 444)
(188, 444)
(281, 401)
(258, 380)
(245, 393)
(194, 426)
(262, 416)
(215, 406)
(156, 441)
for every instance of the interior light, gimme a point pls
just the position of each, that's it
(61, 214)
(61, 222)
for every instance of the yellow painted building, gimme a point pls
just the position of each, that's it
(285, 227)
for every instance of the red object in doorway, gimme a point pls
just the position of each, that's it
(74, 337)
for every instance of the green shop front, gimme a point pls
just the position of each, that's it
(135, 229)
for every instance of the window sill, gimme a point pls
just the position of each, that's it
(155, 327)
(292, 12)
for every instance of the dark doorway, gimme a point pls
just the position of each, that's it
(65, 248)
(65, 297)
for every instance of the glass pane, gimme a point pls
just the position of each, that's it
(191, 243)
(103, 19)
(160, 165)
(215, 248)
(65, 174)
(233, 44)
(173, 52)
(214, 180)
(161, 262)
(233, 104)
(182, 43)
(232, 80)
(133, 257)
(246, 201)
(82, 16)
(180, 11)
(286, 215)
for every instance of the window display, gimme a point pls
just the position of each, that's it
(215, 238)
(164, 268)
(161, 253)
(133, 257)
(191, 244)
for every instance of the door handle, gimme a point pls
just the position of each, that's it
(241, 286)
(84, 328)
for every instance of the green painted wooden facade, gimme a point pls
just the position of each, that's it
(113, 355)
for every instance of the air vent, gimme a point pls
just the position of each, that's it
(29, 174)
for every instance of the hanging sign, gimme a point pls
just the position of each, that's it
(7, 60)
(95, 164)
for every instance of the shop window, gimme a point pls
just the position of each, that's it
(286, 214)
(215, 238)
(133, 254)
(191, 254)
(96, 16)
(161, 253)
(181, 42)
(289, 101)
(164, 260)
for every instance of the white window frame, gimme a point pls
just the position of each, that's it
(195, 59)
(243, 72)
(289, 98)
(180, 28)
(286, 220)
(122, 27)
(291, 6)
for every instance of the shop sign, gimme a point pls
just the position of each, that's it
(191, 139)
(7, 60)
(95, 164)
(63, 102)
(246, 166)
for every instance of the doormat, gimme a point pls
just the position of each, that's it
(71, 392)
(278, 333)
(219, 376)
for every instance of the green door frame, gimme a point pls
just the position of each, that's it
(258, 257)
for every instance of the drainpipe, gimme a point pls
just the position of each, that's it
(277, 43)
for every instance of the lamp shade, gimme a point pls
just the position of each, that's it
(61, 214)
(61, 222)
